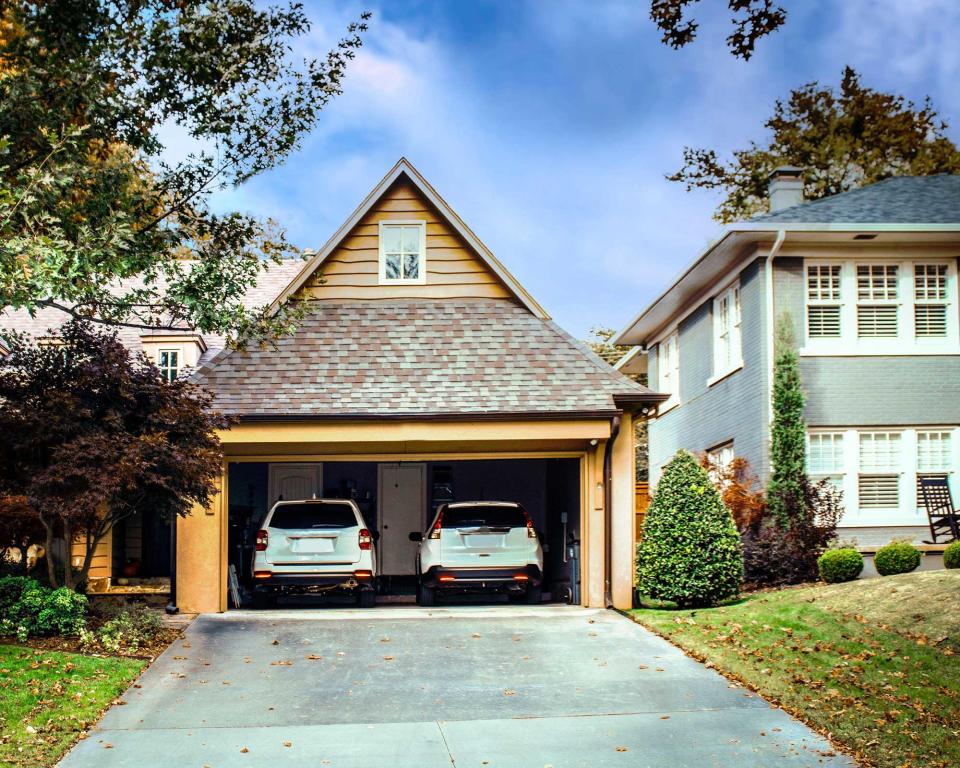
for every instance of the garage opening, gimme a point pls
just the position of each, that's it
(400, 498)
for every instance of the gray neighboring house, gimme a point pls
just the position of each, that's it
(868, 279)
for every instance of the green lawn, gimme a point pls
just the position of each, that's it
(873, 664)
(47, 698)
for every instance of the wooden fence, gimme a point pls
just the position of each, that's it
(641, 502)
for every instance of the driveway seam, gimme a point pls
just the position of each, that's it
(445, 745)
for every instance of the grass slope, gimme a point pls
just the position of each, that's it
(48, 698)
(875, 665)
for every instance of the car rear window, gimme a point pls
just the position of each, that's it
(313, 516)
(483, 515)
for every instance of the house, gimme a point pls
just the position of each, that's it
(423, 372)
(868, 282)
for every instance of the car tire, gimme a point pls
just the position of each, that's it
(367, 598)
(534, 595)
(262, 600)
(426, 596)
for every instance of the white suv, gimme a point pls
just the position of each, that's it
(315, 545)
(474, 546)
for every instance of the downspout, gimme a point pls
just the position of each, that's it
(608, 512)
(172, 605)
(771, 330)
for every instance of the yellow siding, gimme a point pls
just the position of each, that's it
(454, 271)
(101, 565)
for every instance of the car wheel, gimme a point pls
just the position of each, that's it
(261, 600)
(367, 598)
(425, 595)
(534, 595)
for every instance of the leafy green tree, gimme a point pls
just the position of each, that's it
(752, 20)
(94, 219)
(788, 430)
(842, 141)
(93, 435)
(690, 553)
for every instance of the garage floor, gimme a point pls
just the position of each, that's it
(467, 686)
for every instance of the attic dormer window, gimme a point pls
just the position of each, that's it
(403, 252)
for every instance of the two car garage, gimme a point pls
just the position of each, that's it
(400, 498)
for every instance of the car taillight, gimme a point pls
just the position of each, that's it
(435, 532)
(531, 531)
(366, 540)
(262, 541)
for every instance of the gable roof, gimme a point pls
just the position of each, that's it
(897, 200)
(890, 208)
(420, 359)
(404, 168)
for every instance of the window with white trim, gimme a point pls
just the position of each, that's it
(930, 301)
(720, 459)
(877, 306)
(881, 307)
(825, 457)
(668, 369)
(168, 361)
(934, 456)
(727, 353)
(403, 249)
(823, 301)
(880, 466)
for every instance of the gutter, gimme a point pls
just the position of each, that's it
(608, 512)
(771, 319)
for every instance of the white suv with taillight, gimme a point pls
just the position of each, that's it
(315, 545)
(478, 546)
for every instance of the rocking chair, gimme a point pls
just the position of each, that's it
(943, 516)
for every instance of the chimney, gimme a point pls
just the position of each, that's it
(785, 187)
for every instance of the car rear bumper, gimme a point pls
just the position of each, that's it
(304, 581)
(482, 578)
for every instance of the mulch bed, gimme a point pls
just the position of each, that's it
(148, 650)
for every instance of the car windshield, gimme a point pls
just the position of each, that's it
(325, 515)
(483, 516)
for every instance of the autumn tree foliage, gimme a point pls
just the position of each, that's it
(93, 435)
(752, 20)
(95, 218)
(842, 139)
(20, 529)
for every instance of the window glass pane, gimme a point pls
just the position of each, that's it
(391, 238)
(930, 282)
(933, 451)
(308, 516)
(391, 266)
(879, 451)
(411, 266)
(877, 281)
(823, 282)
(411, 239)
(825, 455)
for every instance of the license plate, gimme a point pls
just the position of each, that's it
(313, 546)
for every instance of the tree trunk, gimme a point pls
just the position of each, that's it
(68, 566)
(48, 554)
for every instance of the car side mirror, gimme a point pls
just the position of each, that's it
(415, 536)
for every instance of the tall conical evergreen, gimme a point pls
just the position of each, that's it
(690, 553)
(788, 431)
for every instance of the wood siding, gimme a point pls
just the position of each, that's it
(351, 273)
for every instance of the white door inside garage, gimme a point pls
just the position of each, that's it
(402, 504)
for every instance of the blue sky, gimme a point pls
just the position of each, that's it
(549, 125)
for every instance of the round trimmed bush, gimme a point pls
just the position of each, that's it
(690, 553)
(896, 557)
(951, 556)
(836, 565)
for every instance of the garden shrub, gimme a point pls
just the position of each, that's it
(951, 556)
(27, 608)
(126, 628)
(838, 565)
(690, 551)
(896, 557)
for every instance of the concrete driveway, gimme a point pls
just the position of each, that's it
(505, 687)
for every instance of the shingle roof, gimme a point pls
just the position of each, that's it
(898, 200)
(269, 284)
(400, 358)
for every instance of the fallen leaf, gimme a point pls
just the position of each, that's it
(621, 749)
(244, 750)
(275, 642)
(508, 692)
(107, 745)
(288, 743)
(282, 663)
(388, 658)
(313, 657)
